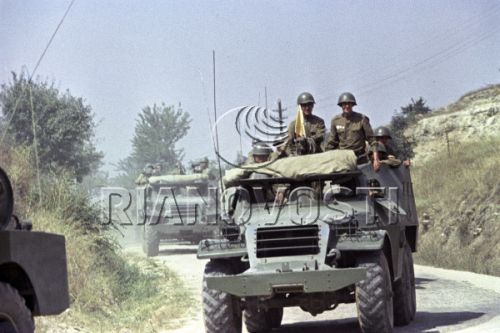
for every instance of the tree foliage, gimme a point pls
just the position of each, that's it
(157, 131)
(64, 125)
(401, 121)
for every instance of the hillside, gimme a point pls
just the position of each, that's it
(474, 116)
(457, 183)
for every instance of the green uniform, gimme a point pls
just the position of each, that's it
(315, 129)
(386, 154)
(350, 132)
(383, 150)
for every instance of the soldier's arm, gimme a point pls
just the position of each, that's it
(333, 138)
(290, 140)
(367, 129)
(319, 135)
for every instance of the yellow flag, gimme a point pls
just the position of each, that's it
(300, 130)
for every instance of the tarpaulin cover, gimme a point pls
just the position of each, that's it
(298, 166)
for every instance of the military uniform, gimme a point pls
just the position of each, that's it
(386, 154)
(315, 129)
(350, 132)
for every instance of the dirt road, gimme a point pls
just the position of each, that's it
(447, 301)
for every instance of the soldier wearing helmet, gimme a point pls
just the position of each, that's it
(306, 132)
(350, 130)
(381, 152)
(200, 166)
(260, 153)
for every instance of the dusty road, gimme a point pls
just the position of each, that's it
(447, 301)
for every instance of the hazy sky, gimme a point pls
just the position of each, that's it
(123, 55)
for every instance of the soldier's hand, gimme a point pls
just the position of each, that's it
(311, 145)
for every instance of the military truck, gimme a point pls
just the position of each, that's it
(180, 207)
(312, 231)
(33, 273)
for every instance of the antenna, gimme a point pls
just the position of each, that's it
(216, 131)
(265, 94)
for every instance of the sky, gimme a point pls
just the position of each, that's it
(122, 55)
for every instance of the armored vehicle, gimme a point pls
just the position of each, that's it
(312, 231)
(33, 273)
(179, 207)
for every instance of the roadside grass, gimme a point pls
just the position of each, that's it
(458, 200)
(109, 291)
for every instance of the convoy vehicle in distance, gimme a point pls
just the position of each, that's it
(180, 207)
(313, 237)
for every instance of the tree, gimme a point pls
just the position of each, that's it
(400, 122)
(63, 124)
(157, 131)
(415, 108)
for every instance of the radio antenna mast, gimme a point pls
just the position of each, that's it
(216, 131)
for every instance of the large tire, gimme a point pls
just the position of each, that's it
(151, 242)
(218, 307)
(374, 295)
(15, 317)
(262, 321)
(405, 304)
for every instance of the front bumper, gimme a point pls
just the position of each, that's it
(270, 283)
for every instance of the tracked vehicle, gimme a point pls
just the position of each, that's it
(33, 273)
(313, 237)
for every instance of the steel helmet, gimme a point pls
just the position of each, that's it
(305, 98)
(346, 97)
(261, 149)
(382, 131)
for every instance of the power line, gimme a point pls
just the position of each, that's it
(465, 27)
(429, 62)
(35, 69)
(52, 38)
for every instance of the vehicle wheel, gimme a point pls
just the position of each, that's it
(405, 304)
(262, 321)
(218, 307)
(15, 316)
(374, 295)
(151, 242)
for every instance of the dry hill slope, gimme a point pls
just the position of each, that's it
(474, 116)
(457, 183)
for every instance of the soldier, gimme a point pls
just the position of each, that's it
(200, 166)
(381, 152)
(350, 130)
(261, 153)
(179, 169)
(306, 132)
(145, 174)
(158, 168)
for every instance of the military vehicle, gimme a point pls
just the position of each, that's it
(312, 231)
(33, 273)
(179, 207)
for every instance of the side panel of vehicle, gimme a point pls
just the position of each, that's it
(35, 264)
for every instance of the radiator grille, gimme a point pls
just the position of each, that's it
(287, 241)
(184, 211)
